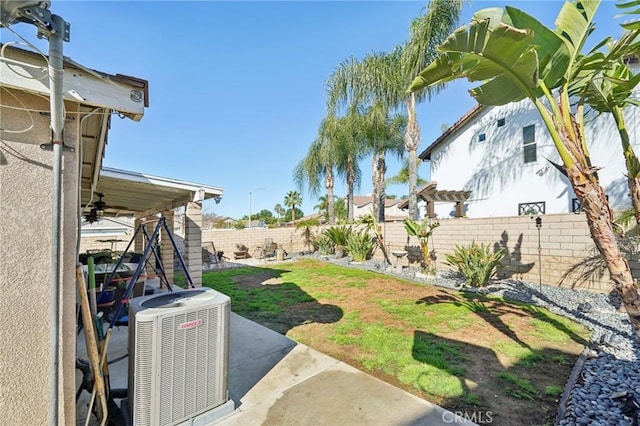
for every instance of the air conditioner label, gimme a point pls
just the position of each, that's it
(191, 324)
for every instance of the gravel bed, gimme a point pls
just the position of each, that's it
(607, 388)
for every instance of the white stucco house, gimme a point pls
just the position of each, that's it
(499, 155)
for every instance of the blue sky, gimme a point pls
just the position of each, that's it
(237, 88)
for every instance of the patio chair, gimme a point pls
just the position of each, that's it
(267, 250)
(210, 256)
(242, 252)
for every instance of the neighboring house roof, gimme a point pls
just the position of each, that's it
(426, 154)
(311, 216)
(363, 200)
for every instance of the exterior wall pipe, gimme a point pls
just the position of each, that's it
(56, 73)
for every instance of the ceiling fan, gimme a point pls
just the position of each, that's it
(97, 211)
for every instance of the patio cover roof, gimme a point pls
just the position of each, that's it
(133, 193)
(430, 193)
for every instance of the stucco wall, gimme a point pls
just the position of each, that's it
(495, 173)
(25, 265)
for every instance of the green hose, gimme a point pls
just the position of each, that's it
(92, 286)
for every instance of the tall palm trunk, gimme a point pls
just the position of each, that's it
(631, 161)
(411, 143)
(634, 188)
(351, 180)
(329, 183)
(375, 197)
(600, 220)
(595, 205)
(380, 172)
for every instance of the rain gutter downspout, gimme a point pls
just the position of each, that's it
(56, 72)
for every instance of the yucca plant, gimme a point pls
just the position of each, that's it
(360, 245)
(476, 262)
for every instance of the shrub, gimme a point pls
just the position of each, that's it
(476, 262)
(422, 231)
(360, 245)
(339, 234)
(323, 244)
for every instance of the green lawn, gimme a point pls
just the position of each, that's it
(459, 350)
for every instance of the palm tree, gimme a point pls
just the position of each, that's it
(341, 210)
(383, 134)
(279, 210)
(323, 205)
(345, 134)
(610, 92)
(319, 163)
(383, 77)
(515, 57)
(403, 175)
(347, 129)
(291, 200)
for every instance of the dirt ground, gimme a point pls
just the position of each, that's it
(312, 323)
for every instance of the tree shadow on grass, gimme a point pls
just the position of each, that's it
(260, 294)
(491, 310)
(471, 380)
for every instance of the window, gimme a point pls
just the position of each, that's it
(501, 122)
(482, 137)
(529, 144)
(536, 207)
(575, 206)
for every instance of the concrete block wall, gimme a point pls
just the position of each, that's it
(226, 239)
(565, 242)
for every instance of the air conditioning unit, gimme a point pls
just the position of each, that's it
(178, 356)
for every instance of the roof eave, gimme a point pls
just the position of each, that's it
(426, 154)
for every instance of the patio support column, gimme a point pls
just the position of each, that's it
(193, 241)
(166, 248)
(138, 243)
(431, 211)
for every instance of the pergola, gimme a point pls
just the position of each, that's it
(431, 195)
